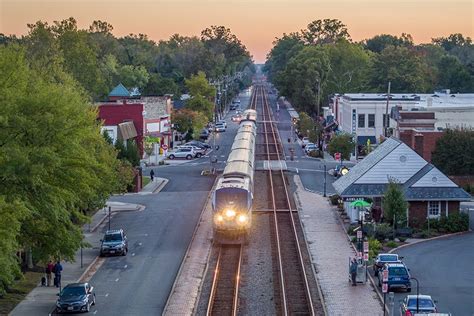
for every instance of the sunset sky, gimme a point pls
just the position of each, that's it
(255, 22)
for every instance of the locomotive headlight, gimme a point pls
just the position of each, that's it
(230, 213)
(243, 218)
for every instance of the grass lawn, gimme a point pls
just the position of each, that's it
(18, 291)
(145, 180)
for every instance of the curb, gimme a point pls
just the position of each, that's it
(140, 208)
(89, 267)
(161, 186)
(429, 239)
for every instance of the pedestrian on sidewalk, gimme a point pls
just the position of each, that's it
(57, 273)
(152, 174)
(353, 271)
(49, 272)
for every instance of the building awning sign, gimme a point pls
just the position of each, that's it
(127, 130)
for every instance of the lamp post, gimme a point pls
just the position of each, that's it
(325, 179)
(110, 211)
(417, 293)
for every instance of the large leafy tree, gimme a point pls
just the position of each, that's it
(454, 152)
(325, 31)
(53, 168)
(454, 75)
(406, 70)
(378, 43)
(283, 50)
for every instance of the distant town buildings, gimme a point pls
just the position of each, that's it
(364, 114)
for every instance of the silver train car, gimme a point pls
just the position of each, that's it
(233, 197)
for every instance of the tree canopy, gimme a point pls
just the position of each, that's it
(454, 152)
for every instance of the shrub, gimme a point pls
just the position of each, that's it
(316, 154)
(374, 247)
(334, 199)
(453, 223)
(391, 244)
(383, 231)
(402, 239)
(354, 239)
(350, 229)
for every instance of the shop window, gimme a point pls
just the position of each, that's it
(361, 121)
(434, 209)
(371, 120)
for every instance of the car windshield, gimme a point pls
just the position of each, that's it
(113, 237)
(387, 258)
(397, 271)
(73, 291)
(422, 302)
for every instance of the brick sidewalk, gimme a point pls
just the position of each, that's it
(330, 252)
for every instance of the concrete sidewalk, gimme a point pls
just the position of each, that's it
(330, 251)
(41, 300)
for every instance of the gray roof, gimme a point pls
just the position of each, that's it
(395, 160)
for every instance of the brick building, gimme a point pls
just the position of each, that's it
(124, 121)
(430, 193)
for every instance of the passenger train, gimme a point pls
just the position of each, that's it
(233, 197)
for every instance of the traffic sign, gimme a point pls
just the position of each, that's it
(337, 156)
(385, 276)
(366, 256)
(359, 255)
(366, 246)
(164, 146)
(359, 234)
(384, 288)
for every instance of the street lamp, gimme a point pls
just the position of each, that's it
(417, 292)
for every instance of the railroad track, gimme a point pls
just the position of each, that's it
(225, 284)
(294, 289)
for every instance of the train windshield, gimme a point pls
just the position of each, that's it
(231, 198)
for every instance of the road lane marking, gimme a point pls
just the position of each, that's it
(125, 267)
(297, 171)
(95, 312)
(107, 294)
(116, 280)
(133, 254)
(139, 243)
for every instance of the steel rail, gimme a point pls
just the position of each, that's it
(301, 261)
(280, 264)
(211, 306)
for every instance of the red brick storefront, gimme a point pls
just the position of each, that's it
(418, 211)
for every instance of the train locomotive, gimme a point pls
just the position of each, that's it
(233, 196)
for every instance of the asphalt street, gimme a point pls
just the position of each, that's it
(444, 269)
(139, 283)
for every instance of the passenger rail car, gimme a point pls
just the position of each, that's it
(233, 196)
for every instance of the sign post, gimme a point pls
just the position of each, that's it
(384, 287)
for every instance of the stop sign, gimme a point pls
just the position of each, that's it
(337, 156)
(164, 146)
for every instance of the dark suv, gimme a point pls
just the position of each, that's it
(114, 242)
(398, 276)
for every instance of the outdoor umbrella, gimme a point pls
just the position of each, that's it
(360, 203)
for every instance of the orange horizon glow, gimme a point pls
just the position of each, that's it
(255, 23)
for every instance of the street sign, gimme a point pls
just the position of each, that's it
(359, 234)
(359, 255)
(164, 146)
(385, 276)
(384, 288)
(366, 246)
(337, 156)
(366, 256)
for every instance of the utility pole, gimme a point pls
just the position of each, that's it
(386, 121)
(319, 96)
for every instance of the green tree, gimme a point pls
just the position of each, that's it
(199, 86)
(158, 85)
(325, 32)
(452, 41)
(406, 70)
(189, 121)
(454, 152)
(283, 50)
(454, 75)
(133, 76)
(343, 144)
(378, 43)
(394, 204)
(305, 124)
(53, 167)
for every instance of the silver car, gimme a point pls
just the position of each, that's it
(187, 153)
(199, 151)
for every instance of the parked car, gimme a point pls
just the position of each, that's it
(199, 144)
(310, 147)
(187, 153)
(398, 276)
(305, 141)
(219, 128)
(426, 305)
(75, 297)
(114, 242)
(233, 106)
(383, 258)
(204, 134)
(198, 151)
